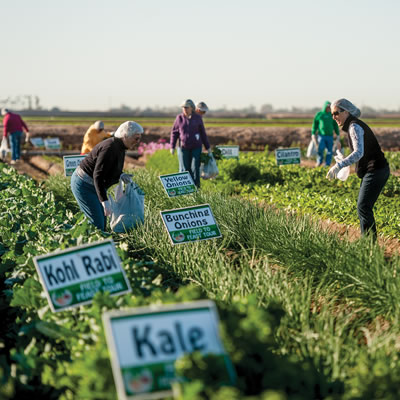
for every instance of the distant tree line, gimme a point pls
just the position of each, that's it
(30, 105)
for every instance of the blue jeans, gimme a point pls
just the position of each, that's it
(15, 144)
(86, 196)
(325, 142)
(371, 186)
(191, 163)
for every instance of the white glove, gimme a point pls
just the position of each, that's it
(332, 173)
(107, 207)
(27, 137)
(172, 151)
(126, 178)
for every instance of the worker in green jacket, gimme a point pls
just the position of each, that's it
(323, 126)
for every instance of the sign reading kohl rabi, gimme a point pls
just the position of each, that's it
(72, 277)
(145, 342)
(287, 156)
(178, 184)
(52, 143)
(71, 163)
(190, 224)
(229, 151)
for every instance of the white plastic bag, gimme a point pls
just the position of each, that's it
(344, 173)
(311, 149)
(4, 149)
(209, 170)
(127, 209)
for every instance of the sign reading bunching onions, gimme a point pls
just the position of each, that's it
(190, 224)
(288, 156)
(72, 277)
(178, 184)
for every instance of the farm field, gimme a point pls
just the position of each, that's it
(305, 313)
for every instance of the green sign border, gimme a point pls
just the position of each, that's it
(181, 230)
(67, 170)
(288, 161)
(76, 249)
(177, 188)
(107, 317)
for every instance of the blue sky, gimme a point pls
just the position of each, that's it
(93, 55)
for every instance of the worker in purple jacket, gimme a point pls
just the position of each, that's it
(189, 129)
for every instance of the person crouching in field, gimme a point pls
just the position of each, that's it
(94, 135)
(101, 169)
(189, 129)
(371, 165)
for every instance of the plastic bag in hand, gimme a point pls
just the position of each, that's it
(209, 170)
(127, 209)
(4, 149)
(344, 173)
(311, 149)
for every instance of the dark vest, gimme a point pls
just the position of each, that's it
(373, 157)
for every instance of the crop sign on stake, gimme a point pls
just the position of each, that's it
(288, 156)
(178, 184)
(37, 141)
(71, 163)
(52, 143)
(190, 224)
(72, 277)
(229, 151)
(145, 342)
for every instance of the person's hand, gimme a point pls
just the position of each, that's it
(126, 178)
(332, 173)
(172, 151)
(314, 139)
(209, 152)
(107, 207)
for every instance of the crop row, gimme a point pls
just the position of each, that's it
(303, 314)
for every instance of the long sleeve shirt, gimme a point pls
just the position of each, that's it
(356, 133)
(92, 137)
(190, 132)
(104, 164)
(324, 124)
(13, 123)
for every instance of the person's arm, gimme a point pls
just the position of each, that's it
(5, 124)
(314, 128)
(106, 160)
(24, 126)
(357, 139)
(174, 133)
(203, 134)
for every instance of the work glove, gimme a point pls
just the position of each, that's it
(27, 137)
(172, 151)
(107, 207)
(126, 178)
(332, 173)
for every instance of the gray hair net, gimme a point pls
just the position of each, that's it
(99, 125)
(128, 129)
(348, 106)
(188, 103)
